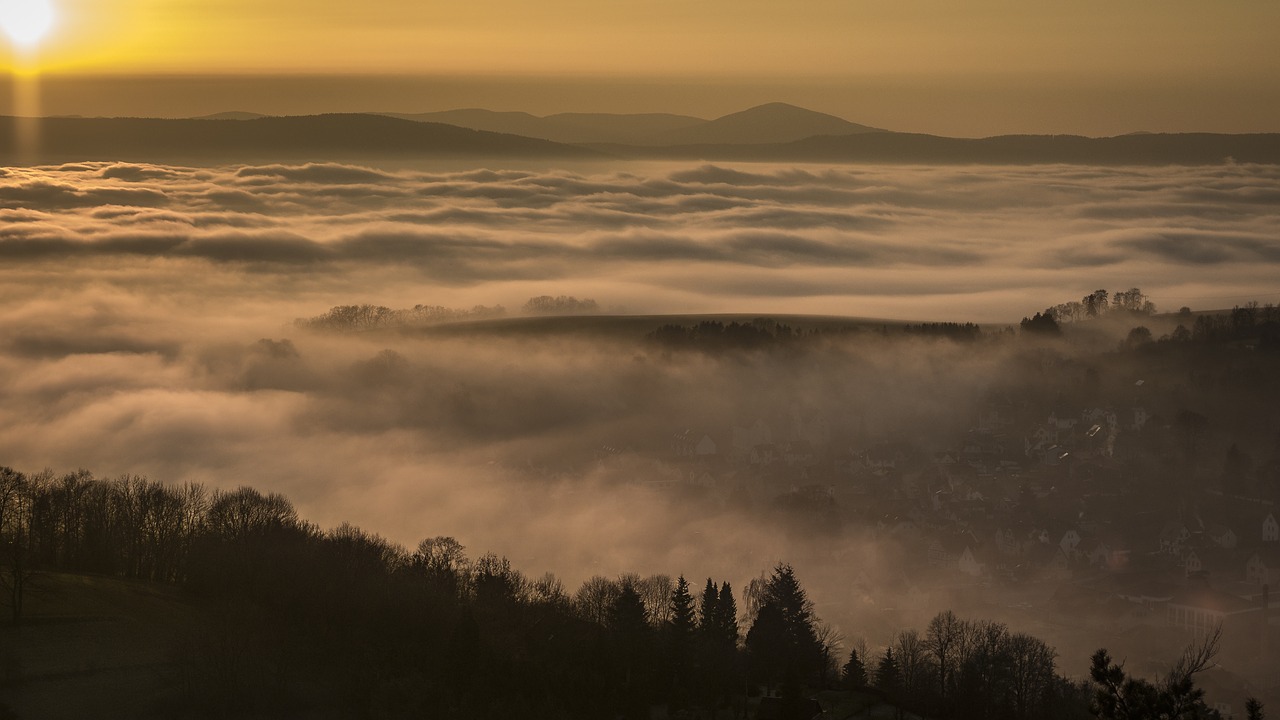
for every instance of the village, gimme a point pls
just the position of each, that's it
(1035, 512)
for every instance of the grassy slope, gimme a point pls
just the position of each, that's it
(93, 647)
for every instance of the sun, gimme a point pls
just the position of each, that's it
(26, 21)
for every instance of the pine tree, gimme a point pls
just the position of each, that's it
(680, 649)
(726, 614)
(682, 622)
(707, 609)
(784, 635)
(888, 676)
(854, 674)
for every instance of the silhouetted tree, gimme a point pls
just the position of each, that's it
(629, 635)
(707, 609)
(854, 673)
(680, 628)
(1137, 337)
(787, 638)
(1040, 324)
(943, 639)
(726, 617)
(888, 677)
(1121, 697)
(1095, 303)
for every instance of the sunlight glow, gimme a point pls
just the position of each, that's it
(26, 22)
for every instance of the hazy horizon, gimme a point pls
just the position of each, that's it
(940, 105)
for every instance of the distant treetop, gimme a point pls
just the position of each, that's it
(1101, 302)
(560, 305)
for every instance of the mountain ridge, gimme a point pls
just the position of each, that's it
(222, 138)
(299, 137)
(762, 124)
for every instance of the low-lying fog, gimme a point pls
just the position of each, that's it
(146, 327)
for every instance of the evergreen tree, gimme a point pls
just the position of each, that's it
(630, 647)
(854, 674)
(680, 640)
(784, 634)
(707, 609)
(682, 622)
(888, 675)
(769, 649)
(1253, 709)
(1120, 696)
(726, 617)
(1041, 324)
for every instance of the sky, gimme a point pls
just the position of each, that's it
(973, 68)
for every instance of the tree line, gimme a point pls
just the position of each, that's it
(298, 618)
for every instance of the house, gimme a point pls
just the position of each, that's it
(946, 550)
(1108, 553)
(1212, 562)
(1263, 568)
(1044, 561)
(1201, 609)
(688, 443)
(1012, 540)
(1069, 541)
(969, 564)
(1270, 528)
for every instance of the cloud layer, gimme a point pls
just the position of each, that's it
(144, 313)
(985, 244)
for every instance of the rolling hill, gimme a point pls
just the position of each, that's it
(769, 133)
(634, 129)
(770, 123)
(329, 137)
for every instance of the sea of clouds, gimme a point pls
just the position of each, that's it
(146, 326)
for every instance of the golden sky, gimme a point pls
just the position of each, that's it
(676, 37)
(1126, 47)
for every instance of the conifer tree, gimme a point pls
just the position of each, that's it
(854, 674)
(680, 628)
(888, 676)
(707, 609)
(682, 622)
(726, 615)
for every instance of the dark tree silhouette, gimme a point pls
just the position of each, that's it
(854, 673)
(1041, 324)
(784, 634)
(680, 629)
(1176, 697)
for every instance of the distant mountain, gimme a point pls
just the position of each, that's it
(764, 124)
(231, 115)
(635, 129)
(771, 123)
(890, 147)
(354, 137)
(310, 137)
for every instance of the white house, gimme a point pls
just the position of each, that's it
(1263, 568)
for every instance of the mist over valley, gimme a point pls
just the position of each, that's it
(648, 369)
